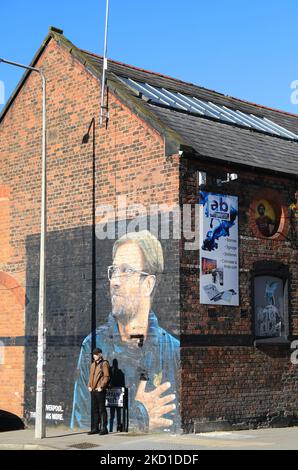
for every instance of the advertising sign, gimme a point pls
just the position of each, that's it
(219, 266)
(115, 396)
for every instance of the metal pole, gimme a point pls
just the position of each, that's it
(40, 431)
(105, 65)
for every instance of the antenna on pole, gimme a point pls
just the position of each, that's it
(105, 66)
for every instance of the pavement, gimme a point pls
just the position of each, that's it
(64, 439)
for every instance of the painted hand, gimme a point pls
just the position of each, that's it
(90, 389)
(156, 405)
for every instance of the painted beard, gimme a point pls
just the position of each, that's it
(123, 309)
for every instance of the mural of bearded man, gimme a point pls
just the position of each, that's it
(148, 355)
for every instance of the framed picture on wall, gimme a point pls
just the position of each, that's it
(270, 301)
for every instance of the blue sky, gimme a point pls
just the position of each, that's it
(244, 49)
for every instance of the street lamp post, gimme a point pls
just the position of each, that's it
(40, 430)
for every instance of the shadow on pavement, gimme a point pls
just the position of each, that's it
(67, 435)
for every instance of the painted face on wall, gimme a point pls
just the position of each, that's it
(128, 287)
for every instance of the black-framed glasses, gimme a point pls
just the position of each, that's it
(124, 270)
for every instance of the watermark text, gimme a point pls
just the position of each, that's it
(294, 94)
(294, 355)
(165, 221)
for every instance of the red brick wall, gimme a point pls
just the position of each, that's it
(12, 301)
(130, 160)
(240, 384)
(229, 382)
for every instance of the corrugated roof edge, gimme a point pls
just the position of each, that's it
(287, 113)
(59, 36)
(173, 140)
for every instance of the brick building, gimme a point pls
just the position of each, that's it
(166, 144)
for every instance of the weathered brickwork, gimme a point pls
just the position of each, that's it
(224, 376)
(249, 385)
(126, 159)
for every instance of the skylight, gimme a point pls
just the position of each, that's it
(180, 101)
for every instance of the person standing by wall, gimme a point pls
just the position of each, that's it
(117, 380)
(98, 381)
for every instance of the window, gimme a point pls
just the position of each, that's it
(270, 301)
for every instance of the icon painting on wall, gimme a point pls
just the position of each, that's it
(267, 217)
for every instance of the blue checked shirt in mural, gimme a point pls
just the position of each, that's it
(158, 360)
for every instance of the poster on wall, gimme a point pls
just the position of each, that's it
(115, 397)
(219, 265)
(269, 306)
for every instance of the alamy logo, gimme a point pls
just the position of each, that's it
(165, 221)
(294, 95)
(2, 92)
